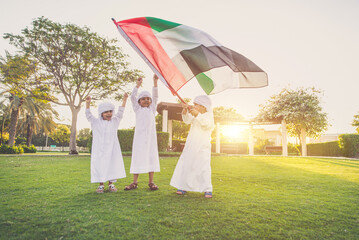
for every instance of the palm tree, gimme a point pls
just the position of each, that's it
(20, 79)
(37, 116)
(4, 118)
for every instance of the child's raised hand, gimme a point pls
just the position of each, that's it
(124, 100)
(185, 107)
(155, 79)
(194, 112)
(139, 82)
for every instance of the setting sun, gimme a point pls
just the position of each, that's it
(233, 131)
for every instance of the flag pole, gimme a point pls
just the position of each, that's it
(133, 45)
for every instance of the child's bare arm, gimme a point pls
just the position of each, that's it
(88, 102)
(139, 82)
(184, 108)
(125, 96)
(155, 80)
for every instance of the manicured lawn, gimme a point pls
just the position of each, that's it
(43, 197)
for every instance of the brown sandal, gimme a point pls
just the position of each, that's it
(153, 186)
(131, 186)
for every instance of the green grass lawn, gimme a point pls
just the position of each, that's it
(43, 197)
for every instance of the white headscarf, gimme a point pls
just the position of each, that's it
(205, 101)
(144, 94)
(104, 107)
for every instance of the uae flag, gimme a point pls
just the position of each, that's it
(177, 53)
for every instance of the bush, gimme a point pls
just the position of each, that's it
(6, 149)
(125, 137)
(177, 145)
(162, 141)
(350, 145)
(20, 140)
(325, 149)
(293, 149)
(31, 149)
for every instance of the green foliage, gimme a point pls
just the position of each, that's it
(223, 114)
(6, 149)
(299, 108)
(21, 77)
(61, 134)
(179, 128)
(293, 149)
(177, 145)
(31, 149)
(350, 144)
(260, 144)
(356, 122)
(125, 137)
(83, 137)
(20, 140)
(77, 62)
(162, 141)
(75, 58)
(332, 149)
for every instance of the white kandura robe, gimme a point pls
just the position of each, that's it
(106, 155)
(193, 170)
(144, 149)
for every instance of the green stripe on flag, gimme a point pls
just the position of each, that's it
(160, 25)
(205, 82)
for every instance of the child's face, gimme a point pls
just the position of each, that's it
(200, 108)
(145, 101)
(107, 115)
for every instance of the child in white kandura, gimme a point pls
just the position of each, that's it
(193, 170)
(106, 156)
(145, 157)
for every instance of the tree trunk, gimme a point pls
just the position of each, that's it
(304, 142)
(13, 123)
(72, 146)
(29, 135)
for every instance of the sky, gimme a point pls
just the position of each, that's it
(298, 43)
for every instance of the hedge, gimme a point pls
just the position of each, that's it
(6, 149)
(125, 137)
(229, 147)
(177, 145)
(350, 144)
(31, 149)
(325, 149)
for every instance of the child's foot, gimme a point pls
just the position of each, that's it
(100, 189)
(131, 186)
(181, 192)
(153, 186)
(112, 188)
(208, 194)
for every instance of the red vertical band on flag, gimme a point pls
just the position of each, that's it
(140, 32)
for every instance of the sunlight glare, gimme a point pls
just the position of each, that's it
(232, 131)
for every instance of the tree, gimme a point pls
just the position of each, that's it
(22, 82)
(83, 137)
(78, 61)
(300, 109)
(4, 116)
(226, 114)
(61, 134)
(35, 117)
(356, 122)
